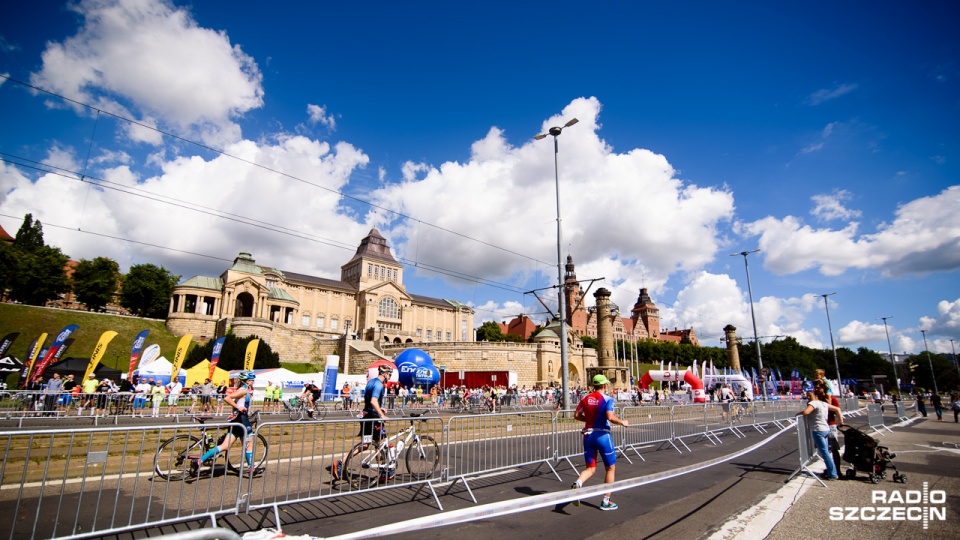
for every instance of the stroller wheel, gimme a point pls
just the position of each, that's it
(883, 474)
(874, 479)
(900, 478)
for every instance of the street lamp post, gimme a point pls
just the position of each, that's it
(565, 383)
(836, 364)
(930, 361)
(753, 317)
(896, 374)
(955, 361)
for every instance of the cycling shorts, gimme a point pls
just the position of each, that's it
(240, 425)
(374, 429)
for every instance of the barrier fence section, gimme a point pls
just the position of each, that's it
(648, 425)
(807, 450)
(875, 418)
(479, 444)
(89, 481)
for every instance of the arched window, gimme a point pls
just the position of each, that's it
(334, 322)
(388, 308)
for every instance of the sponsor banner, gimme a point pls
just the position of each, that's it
(33, 350)
(180, 355)
(102, 343)
(215, 354)
(52, 351)
(135, 352)
(251, 355)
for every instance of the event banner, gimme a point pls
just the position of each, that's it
(7, 342)
(150, 354)
(33, 350)
(105, 339)
(215, 354)
(251, 354)
(180, 355)
(135, 352)
(52, 351)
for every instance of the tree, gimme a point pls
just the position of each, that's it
(489, 331)
(9, 259)
(30, 236)
(95, 282)
(146, 290)
(232, 354)
(40, 276)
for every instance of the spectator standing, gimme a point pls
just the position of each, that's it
(158, 392)
(194, 397)
(356, 394)
(51, 393)
(221, 395)
(89, 395)
(268, 397)
(816, 411)
(955, 406)
(103, 389)
(937, 403)
(175, 390)
(596, 411)
(921, 406)
(207, 391)
(68, 385)
(141, 393)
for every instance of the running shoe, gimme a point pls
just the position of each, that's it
(388, 476)
(608, 505)
(575, 486)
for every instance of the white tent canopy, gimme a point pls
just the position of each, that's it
(160, 369)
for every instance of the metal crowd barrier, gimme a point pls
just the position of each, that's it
(480, 444)
(90, 482)
(875, 418)
(807, 450)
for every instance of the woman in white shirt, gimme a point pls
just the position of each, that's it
(816, 413)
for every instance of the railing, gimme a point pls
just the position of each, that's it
(94, 481)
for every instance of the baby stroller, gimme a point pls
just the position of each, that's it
(866, 455)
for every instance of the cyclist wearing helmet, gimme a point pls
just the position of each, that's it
(373, 396)
(311, 393)
(239, 400)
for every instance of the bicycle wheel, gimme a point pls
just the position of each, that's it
(296, 412)
(361, 469)
(236, 455)
(321, 411)
(172, 461)
(423, 457)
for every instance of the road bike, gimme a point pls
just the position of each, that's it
(120, 405)
(369, 463)
(476, 404)
(300, 409)
(176, 454)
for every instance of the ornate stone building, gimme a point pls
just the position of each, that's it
(297, 313)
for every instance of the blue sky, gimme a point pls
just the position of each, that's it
(823, 134)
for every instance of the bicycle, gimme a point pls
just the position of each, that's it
(121, 405)
(173, 458)
(300, 409)
(366, 462)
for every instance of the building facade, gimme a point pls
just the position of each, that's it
(369, 303)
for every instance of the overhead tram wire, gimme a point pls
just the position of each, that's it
(262, 167)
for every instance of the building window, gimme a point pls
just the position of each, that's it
(389, 309)
(463, 330)
(419, 333)
(449, 336)
(304, 320)
(320, 321)
(429, 335)
(334, 322)
(376, 272)
(369, 270)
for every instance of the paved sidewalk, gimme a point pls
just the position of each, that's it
(928, 452)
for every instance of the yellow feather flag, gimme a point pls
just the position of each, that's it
(251, 354)
(180, 355)
(32, 353)
(98, 351)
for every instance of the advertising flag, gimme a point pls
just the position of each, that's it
(251, 354)
(135, 352)
(150, 354)
(33, 350)
(105, 339)
(52, 351)
(215, 354)
(7, 342)
(180, 355)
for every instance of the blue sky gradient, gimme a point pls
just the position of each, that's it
(824, 134)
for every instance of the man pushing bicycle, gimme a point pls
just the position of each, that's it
(373, 396)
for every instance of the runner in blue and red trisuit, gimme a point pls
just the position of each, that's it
(596, 411)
